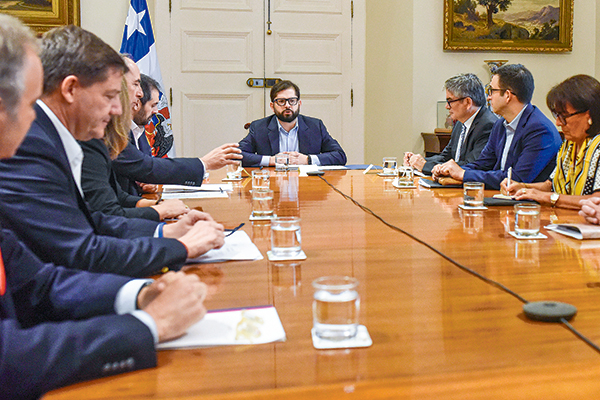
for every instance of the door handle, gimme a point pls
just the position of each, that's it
(262, 82)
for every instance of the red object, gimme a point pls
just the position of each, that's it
(2, 277)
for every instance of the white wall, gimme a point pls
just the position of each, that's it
(405, 64)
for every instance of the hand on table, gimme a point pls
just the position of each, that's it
(590, 210)
(175, 302)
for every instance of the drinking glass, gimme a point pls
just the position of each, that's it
(473, 194)
(527, 219)
(286, 238)
(336, 305)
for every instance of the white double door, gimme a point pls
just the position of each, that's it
(217, 45)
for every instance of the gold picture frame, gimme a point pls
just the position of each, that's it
(43, 15)
(516, 25)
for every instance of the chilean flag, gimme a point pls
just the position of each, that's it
(138, 41)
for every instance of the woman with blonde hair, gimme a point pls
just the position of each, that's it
(99, 183)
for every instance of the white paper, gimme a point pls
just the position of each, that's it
(195, 195)
(206, 187)
(237, 247)
(577, 231)
(232, 327)
(332, 167)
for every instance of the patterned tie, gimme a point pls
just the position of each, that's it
(461, 139)
(2, 276)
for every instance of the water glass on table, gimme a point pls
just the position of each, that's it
(389, 165)
(473, 194)
(261, 180)
(405, 176)
(336, 305)
(527, 219)
(286, 237)
(282, 162)
(262, 204)
(234, 171)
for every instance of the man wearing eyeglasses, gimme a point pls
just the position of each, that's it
(304, 139)
(524, 139)
(465, 102)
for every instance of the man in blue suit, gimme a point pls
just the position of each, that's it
(523, 139)
(305, 139)
(40, 187)
(136, 164)
(60, 326)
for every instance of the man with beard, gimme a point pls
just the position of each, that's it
(303, 138)
(135, 164)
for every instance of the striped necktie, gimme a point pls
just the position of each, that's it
(461, 139)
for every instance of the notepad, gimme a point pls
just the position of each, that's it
(242, 326)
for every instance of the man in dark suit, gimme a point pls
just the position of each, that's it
(60, 326)
(136, 164)
(40, 189)
(465, 102)
(305, 139)
(524, 139)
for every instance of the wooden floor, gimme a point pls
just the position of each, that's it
(438, 332)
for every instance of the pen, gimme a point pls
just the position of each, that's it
(232, 231)
(509, 176)
(158, 201)
(368, 168)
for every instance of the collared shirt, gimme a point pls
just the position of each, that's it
(72, 148)
(510, 134)
(288, 141)
(467, 124)
(137, 132)
(126, 303)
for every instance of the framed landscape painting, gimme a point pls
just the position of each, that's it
(508, 25)
(43, 15)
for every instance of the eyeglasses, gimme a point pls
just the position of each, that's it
(562, 118)
(292, 101)
(449, 102)
(489, 90)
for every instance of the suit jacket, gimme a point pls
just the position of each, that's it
(40, 202)
(476, 139)
(532, 153)
(100, 187)
(58, 327)
(313, 139)
(133, 165)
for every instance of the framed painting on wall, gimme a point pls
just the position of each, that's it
(43, 15)
(508, 25)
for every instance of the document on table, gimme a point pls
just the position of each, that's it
(254, 325)
(206, 191)
(577, 231)
(237, 247)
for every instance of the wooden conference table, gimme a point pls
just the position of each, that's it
(438, 332)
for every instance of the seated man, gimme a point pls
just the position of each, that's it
(40, 187)
(305, 139)
(465, 102)
(136, 164)
(523, 139)
(62, 326)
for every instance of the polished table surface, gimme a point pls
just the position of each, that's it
(438, 332)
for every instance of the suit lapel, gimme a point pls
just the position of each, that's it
(273, 133)
(518, 133)
(48, 127)
(303, 139)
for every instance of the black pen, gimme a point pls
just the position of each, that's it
(231, 231)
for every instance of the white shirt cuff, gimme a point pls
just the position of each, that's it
(265, 161)
(315, 160)
(205, 170)
(126, 303)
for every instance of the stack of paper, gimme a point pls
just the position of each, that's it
(237, 247)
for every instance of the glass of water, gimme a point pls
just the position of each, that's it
(234, 171)
(527, 219)
(261, 180)
(473, 194)
(405, 176)
(262, 204)
(282, 161)
(336, 305)
(286, 238)
(389, 165)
